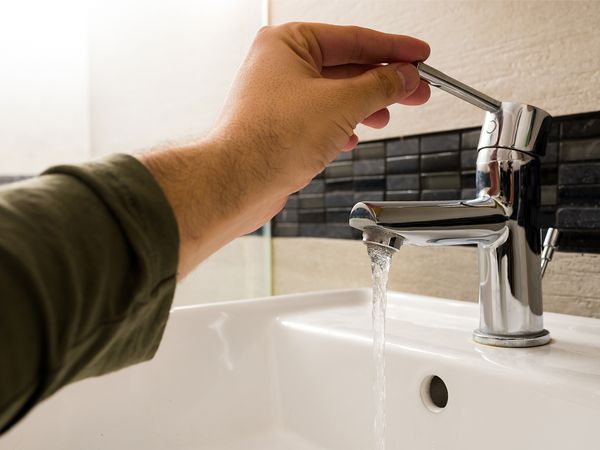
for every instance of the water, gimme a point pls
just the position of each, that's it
(381, 258)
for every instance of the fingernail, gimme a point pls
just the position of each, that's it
(410, 75)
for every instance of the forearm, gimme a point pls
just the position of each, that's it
(87, 274)
(215, 189)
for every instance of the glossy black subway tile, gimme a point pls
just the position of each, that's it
(339, 184)
(434, 143)
(287, 215)
(369, 196)
(340, 169)
(470, 139)
(369, 183)
(440, 162)
(311, 215)
(292, 201)
(579, 173)
(442, 180)
(440, 194)
(340, 231)
(467, 179)
(578, 218)
(369, 167)
(551, 155)
(579, 241)
(370, 151)
(402, 147)
(312, 230)
(585, 195)
(402, 164)
(468, 194)
(468, 159)
(316, 186)
(400, 196)
(581, 127)
(311, 201)
(337, 215)
(402, 182)
(549, 195)
(584, 150)
(339, 199)
(286, 229)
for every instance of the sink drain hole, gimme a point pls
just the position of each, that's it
(434, 393)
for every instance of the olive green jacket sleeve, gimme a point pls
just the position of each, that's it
(88, 260)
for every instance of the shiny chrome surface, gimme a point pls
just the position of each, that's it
(440, 80)
(550, 243)
(501, 221)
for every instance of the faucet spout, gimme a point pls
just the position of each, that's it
(479, 221)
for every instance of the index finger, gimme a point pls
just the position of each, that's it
(355, 45)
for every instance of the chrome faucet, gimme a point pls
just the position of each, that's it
(502, 220)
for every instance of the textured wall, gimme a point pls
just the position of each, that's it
(544, 53)
(571, 285)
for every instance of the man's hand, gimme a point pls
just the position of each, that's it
(297, 99)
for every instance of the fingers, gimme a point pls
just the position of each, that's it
(354, 45)
(378, 119)
(346, 70)
(419, 96)
(351, 144)
(378, 88)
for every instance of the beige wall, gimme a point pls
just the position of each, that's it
(540, 52)
(571, 284)
(544, 53)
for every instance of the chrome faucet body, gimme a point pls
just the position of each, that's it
(501, 221)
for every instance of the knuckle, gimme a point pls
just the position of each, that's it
(385, 82)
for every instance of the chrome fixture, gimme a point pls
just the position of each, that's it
(502, 220)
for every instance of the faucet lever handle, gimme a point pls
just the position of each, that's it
(440, 80)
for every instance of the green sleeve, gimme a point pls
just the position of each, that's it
(88, 260)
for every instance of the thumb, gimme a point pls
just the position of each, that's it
(382, 86)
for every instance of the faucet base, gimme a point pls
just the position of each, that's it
(519, 341)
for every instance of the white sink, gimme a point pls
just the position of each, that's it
(296, 373)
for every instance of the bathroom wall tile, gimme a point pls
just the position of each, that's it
(402, 164)
(311, 201)
(311, 216)
(578, 218)
(339, 184)
(369, 196)
(440, 162)
(546, 217)
(580, 241)
(551, 156)
(337, 215)
(549, 195)
(287, 215)
(316, 186)
(339, 199)
(549, 174)
(402, 195)
(369, 167)
(440, 142)
(341, 231)
(468, 159)
(585, 195)
(312, 229)
(585, 150)
(467, 180)
(402, 182)
(581, 173)
(344, 156)
(442, 180)
(286, 229)
(445, 170)
(370, 183)
(402, 147)
(470, 139)
(581, 127)
(468, 194)
(370, 151)
(440, 194)
(339, 170)
(292, 201)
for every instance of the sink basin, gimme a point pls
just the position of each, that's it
(296, 373)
